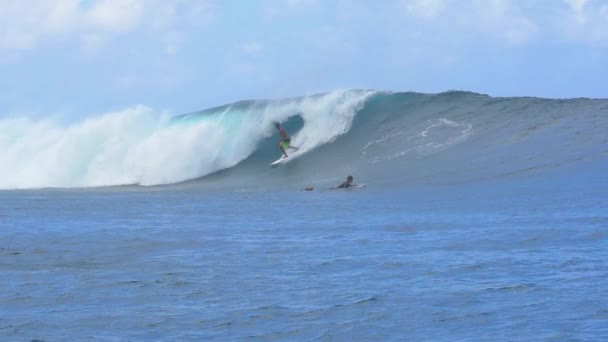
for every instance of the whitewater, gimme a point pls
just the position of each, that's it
(483, 218)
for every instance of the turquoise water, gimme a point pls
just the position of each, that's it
(486, 261)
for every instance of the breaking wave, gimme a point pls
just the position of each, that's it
(390, 137)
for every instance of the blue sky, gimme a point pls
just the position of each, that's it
(78, 58)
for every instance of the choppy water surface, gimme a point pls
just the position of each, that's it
(479, 262)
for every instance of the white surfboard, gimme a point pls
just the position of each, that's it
(354, 186)
(312, 188)
(279, 161)
(294, 153)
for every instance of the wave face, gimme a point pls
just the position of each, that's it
(385, 138)
(138, 146)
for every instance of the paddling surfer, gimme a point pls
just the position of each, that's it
(348, 183)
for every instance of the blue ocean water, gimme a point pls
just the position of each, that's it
(482, 219)
(446, 263)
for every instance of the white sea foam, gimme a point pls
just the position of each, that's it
(436, 135)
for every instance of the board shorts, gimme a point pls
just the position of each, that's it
(285, 143)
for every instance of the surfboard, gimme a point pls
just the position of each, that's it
(279, 161)
(357, 186)
(312, 188)
(284, 160)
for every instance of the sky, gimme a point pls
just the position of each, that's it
(81, 57)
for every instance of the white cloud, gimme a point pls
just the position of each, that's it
(505, 19)
(59, 17)
(274, 9)
(515, 22)
(115, 15)
(423, 8)
(26, 24)
(16, 40)
(577, 5)
(583, 21)
(302, 3)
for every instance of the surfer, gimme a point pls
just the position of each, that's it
(346, 184)
(285, 140)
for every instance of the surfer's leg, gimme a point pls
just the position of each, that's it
(286, 143)
(281, 146)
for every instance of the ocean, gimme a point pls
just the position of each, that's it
(482, 219)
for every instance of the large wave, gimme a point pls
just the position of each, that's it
(139, 146)
(387, 138)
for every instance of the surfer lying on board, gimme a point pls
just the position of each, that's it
(285, 140)
(345, 185)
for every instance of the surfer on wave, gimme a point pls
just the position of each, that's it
(285, 142)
